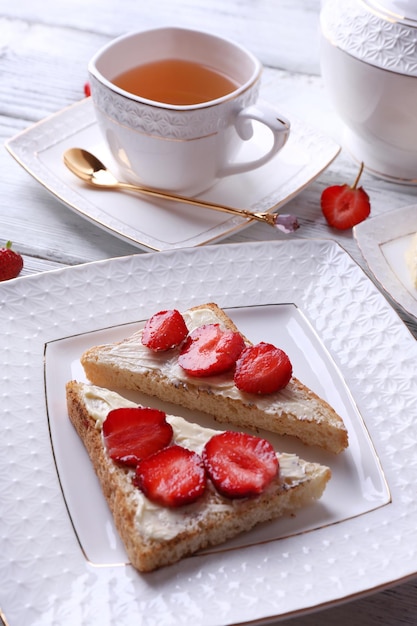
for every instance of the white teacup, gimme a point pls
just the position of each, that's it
(184, 148)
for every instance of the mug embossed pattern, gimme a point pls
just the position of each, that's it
(186, 124)
(374, 37)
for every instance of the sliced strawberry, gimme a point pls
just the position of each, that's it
(133, 433)
(345, 206)
(164, 330)
(210, 350)
(240, 465)
(262, 369)
(172, 477)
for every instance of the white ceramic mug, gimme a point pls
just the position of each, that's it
(369, 67)
(181, 148)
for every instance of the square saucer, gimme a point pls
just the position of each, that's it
(163, 225)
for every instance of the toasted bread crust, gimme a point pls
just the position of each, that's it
(300, 412)
(209, 526)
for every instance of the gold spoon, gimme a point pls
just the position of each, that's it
(91, 170)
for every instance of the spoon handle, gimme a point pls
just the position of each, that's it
(262, 217)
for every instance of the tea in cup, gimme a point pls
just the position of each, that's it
(176, 105)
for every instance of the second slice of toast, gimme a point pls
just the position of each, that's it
(295, 410)
(155, 536)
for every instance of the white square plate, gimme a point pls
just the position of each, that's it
(383, 241)
(346, 342)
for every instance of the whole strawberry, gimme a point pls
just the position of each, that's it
(344, 206)
(11, 262)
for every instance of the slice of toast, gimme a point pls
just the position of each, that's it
(295, 410)
(155, 536)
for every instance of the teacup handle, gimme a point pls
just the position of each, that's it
(268, 115)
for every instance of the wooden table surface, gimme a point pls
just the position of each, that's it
(45, 47)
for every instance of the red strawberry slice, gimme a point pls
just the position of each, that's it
(133, 433)
(345, 206)
(164, 330)
(172, 477)
(262, 369)
(240, 465)
(210, 350)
